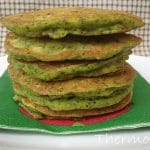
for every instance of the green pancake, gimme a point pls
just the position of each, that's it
(24, 91)
(74, 86)
(59, 22)
(40, 112)
(50, 71)
(69, 48)
(35, 114)
(76, 103)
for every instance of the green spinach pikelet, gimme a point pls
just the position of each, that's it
(70, 48)
(69, 63)
(59, 22)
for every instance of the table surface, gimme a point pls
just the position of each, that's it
(123, 139)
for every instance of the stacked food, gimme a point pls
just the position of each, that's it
(70, 62)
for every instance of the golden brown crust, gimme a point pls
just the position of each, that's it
(58, 14)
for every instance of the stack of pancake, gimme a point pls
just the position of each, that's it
(70, 62)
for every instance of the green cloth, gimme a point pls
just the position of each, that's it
(138, 116)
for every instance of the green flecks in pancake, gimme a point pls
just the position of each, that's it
(76, 85)
(59, 22)
(49, 46)
(69, 48)
(75, 103)
(48, 71)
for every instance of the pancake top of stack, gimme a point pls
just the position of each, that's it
(59, 22)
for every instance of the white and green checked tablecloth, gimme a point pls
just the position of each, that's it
(138, 7)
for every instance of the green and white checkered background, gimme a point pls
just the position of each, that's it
(137, 7)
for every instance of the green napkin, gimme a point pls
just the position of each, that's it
(138, 116)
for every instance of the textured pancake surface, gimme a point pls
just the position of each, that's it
(59, 22)
(53, 71)
(24, 91)
(74, 86)
(69, 48)
(40, 112)
(74, 103)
